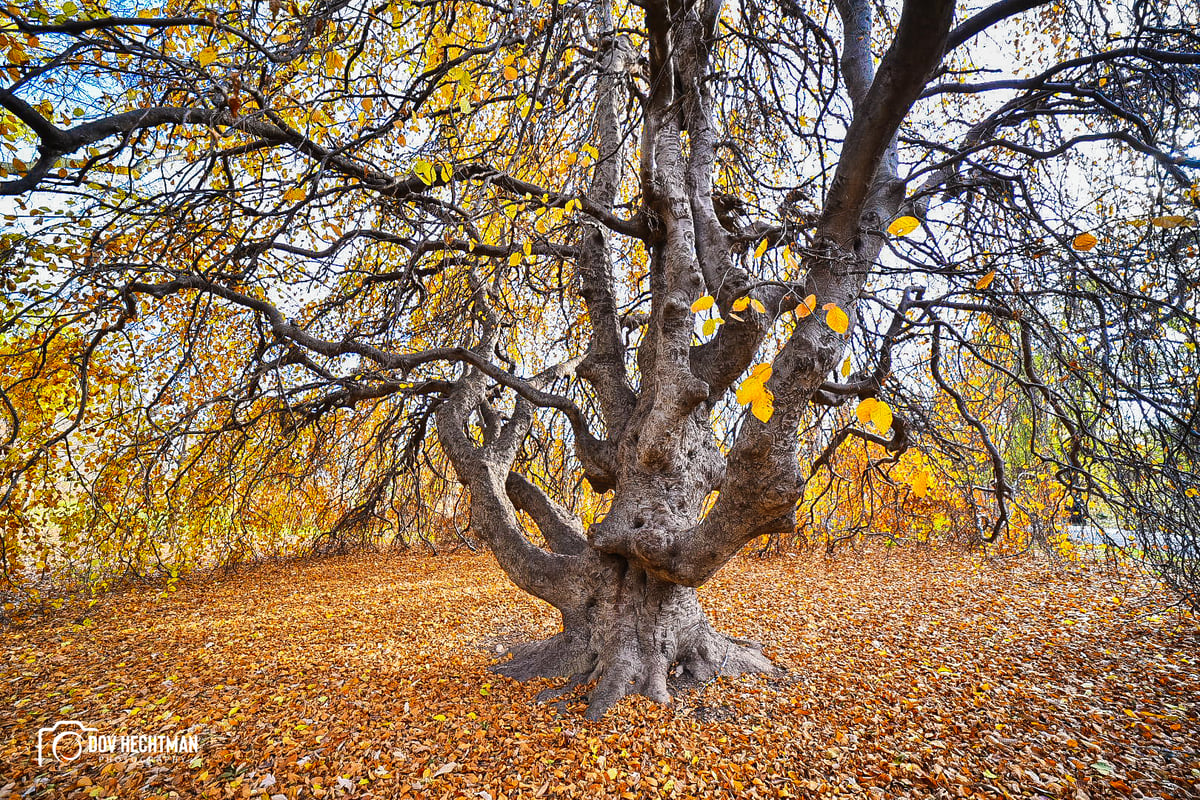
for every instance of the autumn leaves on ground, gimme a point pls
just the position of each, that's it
(909, 674)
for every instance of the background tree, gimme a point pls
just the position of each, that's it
(660, 246)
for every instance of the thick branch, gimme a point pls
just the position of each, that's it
(562, 529)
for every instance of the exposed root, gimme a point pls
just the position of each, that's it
(654, 676)
(661, 641)
(561, 655)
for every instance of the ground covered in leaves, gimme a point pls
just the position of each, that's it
(910, 674)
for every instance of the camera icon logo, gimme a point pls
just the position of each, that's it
(62, 742)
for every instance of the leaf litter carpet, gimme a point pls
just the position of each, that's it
(909, 674)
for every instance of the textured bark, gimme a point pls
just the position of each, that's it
(634, 634)
(626, 586)
(636, 388)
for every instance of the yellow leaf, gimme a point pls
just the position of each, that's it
(703, 304)
(920, 484)
(510, 73)
(807, 306)
(762, 248)
(789, 260)
(741, 303)
(757, 306)
(294, 194)
(864, 410)
(1084, 241)
(206, 56)
(763, 406)
(985, 281)
(514, 259)
(846, 367)
(749, 390)
(903, 226)
(836, 318)
(710, 325)
(424, 170)
(881, 415)
(761, 372)
(1170, 221)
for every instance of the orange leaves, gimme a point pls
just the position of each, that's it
(295, 194)
(807, 306)
(753, 392)
(747, 301)
(985, 281)
(334, 63)
(905, 653)
(836, 318)
(1172, 221)
(876, 413)
(763, 406)
(1087, 241)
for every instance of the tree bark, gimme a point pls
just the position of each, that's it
(632, 634)
(626, 586)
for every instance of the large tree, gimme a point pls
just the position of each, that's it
(638, 239)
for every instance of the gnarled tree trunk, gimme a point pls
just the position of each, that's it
(626, 587)
(631, 635)
(283, 207)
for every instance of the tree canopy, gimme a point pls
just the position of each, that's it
(650, 280)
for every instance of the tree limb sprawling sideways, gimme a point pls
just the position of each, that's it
(636, 283)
